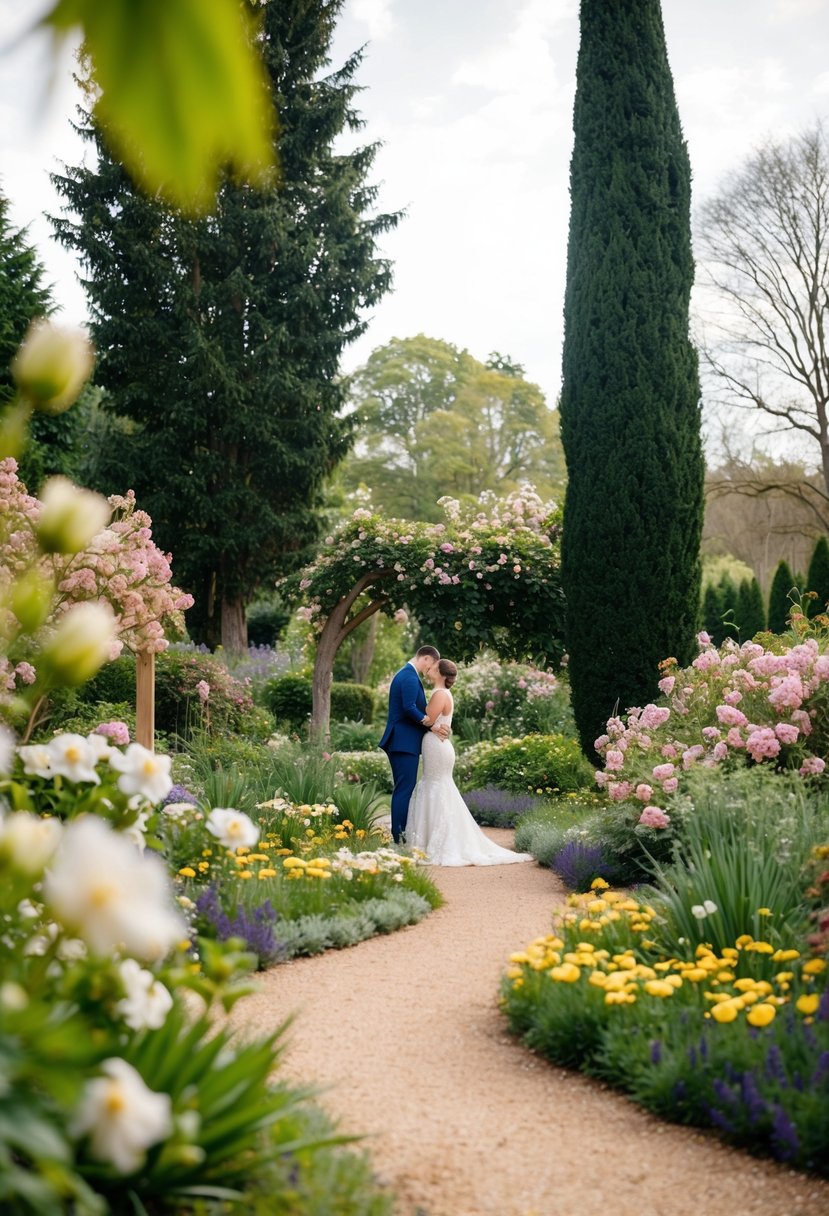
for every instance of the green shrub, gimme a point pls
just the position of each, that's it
(288, 698)
(84, 718)
(352, 702)
(353, 737)
(545, 830)
(537, 763)
(365, 766)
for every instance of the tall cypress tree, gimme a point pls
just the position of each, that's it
(711, 612)
(782, 584)
(751, 613)
(630, 402)
(817, 576)
(52, 440)
(219, 339)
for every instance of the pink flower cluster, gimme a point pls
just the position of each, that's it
(780, 697)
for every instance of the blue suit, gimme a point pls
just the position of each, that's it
(402, 741)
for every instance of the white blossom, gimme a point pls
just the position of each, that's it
(146, 1002)
(37, 760)
(232, 828)
(71, 756)
(143, 772)
(111, 896)
(121, 1116)
(28, 841)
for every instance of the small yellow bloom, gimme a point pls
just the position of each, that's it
(807, 1004)
(617, 998)
(784, 977)
(744, 985)
(784, 956)
(726, 1011)
(815, 966)
(766, 948)
(245, 874)
(267, 873)
(567, 973)
(764, 912)
(598, 978)
(659, 988)
(725, 977)
(599, 884)
(761, 1015)
(695, 974)
(187, 872)
(744, 940)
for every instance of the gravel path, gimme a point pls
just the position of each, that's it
(405, 1035)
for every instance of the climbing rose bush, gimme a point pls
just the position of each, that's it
(474, 578)
(121, 567)
(734, 704)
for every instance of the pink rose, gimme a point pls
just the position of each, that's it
(489, 705)
(812, 766)
(734, 738)
(669, 751)
(614, 760)
(762, 744)
(601, 778)
(666, 685)
(729, 716)
(117, 732)
(203, 689)
(619, 790)
(720, 751)
(692, 754)
(711, 734)
(654, 817)
(653, 717)
(704, 638)
(670, 786)
(786, 732)
(644, 792)
(663, 771)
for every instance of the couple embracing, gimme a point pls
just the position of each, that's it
(430, 814)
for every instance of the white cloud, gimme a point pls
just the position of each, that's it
(820, 84)
(376, 14)
(783, 12)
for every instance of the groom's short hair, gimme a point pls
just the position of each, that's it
(427, 652)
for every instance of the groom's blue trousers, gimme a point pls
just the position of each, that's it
(404, 770)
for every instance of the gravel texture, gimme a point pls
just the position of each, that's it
(405, 1036)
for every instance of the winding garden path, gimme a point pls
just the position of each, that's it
(405, 1034)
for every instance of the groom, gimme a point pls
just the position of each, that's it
(403, 736)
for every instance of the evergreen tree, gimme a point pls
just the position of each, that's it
(780, 605)
(630, 402)
(729, 597)
(23, 297)
(711, 612)
(750, 613)
(817, 577)
(219, 339)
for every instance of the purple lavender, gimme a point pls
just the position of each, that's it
(783, 1135)
(752, 1098)
(577, 864)
(180, 793)
(256, 927)
(498, 808)
(656, 1051)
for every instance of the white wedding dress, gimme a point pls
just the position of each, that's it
(439, 822)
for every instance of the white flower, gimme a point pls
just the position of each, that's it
(81, 644)
(135, 832)
(177, 810)
(7, 742)
(111, 896)
(37, 760)
(28, 841)
(71, 756)
(143, 772)
(121, 1116)
(710, 907)
(52, 365)
(146, 1002)
(70, 949)
(232, 828)
(100, 747)
(70, 516)
(698, 911)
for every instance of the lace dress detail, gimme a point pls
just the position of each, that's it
(439, 822)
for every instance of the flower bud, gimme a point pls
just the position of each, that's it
(52, 366)
(81, 644)
(70, 516)
(31, 598)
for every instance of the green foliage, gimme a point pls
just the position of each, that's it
(817, 577)
(495, 698)
(435, 421)
(176, 121)
(743, 846)
(783, 585)
(727, 625)
(288, 698)
(353, 737)
(361, 803)
(630, 398)
(712, 611)
(352, 702)
(266, 619)
(250, 309)
(751, 612)
(537, 763)
(544, 831)
(364, 766)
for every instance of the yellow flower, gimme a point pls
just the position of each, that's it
(744, 985)
(783, 977)
(659, 988)
(744, 940)
(599, 978)
(618, 998)
(567, 973)
(815, 966)
(761, 1015)
(784, 956)
(725, 977)
(764, 912)
(245, 874)
(293, 863)
(765, 948)
(695, 974)
(726, 1011)
(599, 884)
(807, 1004)
(203, 865)
(267, 873)
(187, 872)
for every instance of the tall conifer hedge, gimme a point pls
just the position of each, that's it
(630, 401)
(779, 603)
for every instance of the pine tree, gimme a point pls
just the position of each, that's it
(780, 605)
(729, 597)
(750, 613)
(712, 613)
(220, 338)
(817, 577)
(23, 297)
(630, 401)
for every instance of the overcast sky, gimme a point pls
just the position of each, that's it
(473, 102)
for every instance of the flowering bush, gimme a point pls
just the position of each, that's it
(487, 577)
(714, 1038)
(537, 764)
(493, 697)
(740, 703)
(54, 565)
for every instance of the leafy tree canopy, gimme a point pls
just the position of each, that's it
(433, 420)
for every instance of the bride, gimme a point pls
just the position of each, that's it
(439, 822)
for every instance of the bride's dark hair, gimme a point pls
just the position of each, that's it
(448, 670)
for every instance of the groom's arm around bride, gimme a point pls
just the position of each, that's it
(405, 727)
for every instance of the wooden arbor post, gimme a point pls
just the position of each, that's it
(145, 698)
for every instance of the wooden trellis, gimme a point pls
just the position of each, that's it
(145, 698)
